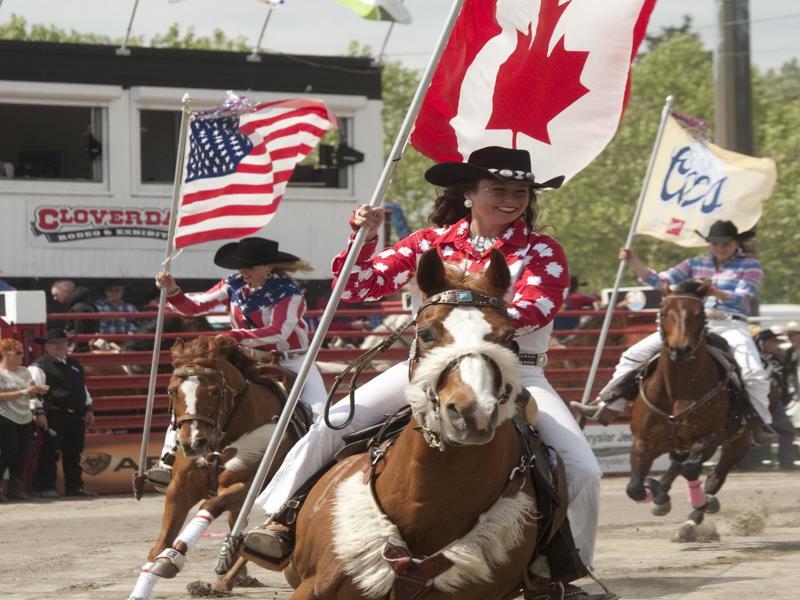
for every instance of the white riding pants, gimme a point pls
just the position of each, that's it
(384, 395)
(756, 380)
(314, 395)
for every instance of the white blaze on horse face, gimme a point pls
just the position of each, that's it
(468, 327)
(189, 388)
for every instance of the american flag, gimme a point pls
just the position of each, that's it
(238, 163)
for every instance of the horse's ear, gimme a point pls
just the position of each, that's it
(178, 345)
(497, 273)
(430, 273)
(704, 288)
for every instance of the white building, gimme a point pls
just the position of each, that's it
(87, 155)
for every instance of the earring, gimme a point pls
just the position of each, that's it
(468, 203)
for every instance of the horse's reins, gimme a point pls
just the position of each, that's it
(451, 297)
(674, 420)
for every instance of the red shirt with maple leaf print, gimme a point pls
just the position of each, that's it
(539, 272)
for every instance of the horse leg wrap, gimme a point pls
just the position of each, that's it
(697, 497)
(173, 556)
(648, 496)
(192, 532)
(144, 585)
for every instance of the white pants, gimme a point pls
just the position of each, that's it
(384, 395)
(743, 348)
(314, 395)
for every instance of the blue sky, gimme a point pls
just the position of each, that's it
(325, 27)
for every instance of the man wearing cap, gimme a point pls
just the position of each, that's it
(777, 367)
(792, 332)
(735, 278)
(68, 410)
(113, 302)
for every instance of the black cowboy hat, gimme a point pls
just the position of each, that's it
(720, 231)
(493, 162)
(251, 252)
(53, 335)
(766, 334)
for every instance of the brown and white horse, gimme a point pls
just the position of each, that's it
(216, 409)
(438, 513)
(684, 408)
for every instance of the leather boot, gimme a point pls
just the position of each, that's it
(15, 491)
(599, 412)
(271, 539)
(761, 434)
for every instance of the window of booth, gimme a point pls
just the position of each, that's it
(51, 142)
(159, 130)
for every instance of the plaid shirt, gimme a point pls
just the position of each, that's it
(116, 325)
(739, 277)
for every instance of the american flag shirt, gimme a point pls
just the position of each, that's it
(539, 272)
(269, 318)
(740, 277)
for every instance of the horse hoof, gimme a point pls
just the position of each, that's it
(164, 568)
(687, 533)
(659, 510)
(712, 505)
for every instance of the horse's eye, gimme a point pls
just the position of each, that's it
(426, 334)
(509, 337)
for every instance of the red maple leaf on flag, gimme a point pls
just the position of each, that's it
(533, 87)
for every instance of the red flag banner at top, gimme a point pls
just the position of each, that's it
(548, 76)
(239, 159)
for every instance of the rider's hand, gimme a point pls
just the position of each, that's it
(41, 421)
(40, 390)
(88, 418)
(166, 281)
(626, 254)
(368, 217)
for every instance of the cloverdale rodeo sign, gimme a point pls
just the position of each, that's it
(64, 223)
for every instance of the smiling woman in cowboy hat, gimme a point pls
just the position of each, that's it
(735, 278)
(266, 309)
(488, 202)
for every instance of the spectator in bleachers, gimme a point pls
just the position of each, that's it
(74, 299)
(68, 410)
(17, 392)
(112, 302)
(575, 301)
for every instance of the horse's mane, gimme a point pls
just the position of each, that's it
(207, 350)
(694, 287)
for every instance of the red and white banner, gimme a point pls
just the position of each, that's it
(548, 76)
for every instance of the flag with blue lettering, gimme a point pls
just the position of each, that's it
(695, 183)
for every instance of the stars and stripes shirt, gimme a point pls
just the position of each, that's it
(116, 325)
(269, 318)
(739, 277)
(539, 273)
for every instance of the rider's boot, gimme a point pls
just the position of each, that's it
(760, 433)
(600, 411)
(160, 474)
(270, 544)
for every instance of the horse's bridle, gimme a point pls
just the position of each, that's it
(190, 370)
(660, 322)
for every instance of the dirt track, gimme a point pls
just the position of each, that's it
(93, 548)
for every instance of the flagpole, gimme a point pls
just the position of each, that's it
(612, 300)
(385, 39)
(138, 477)
(376, 200)
(255, 55)
(124, 50)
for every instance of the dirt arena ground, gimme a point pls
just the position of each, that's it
(93, 548)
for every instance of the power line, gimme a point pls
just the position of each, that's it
(740, 21)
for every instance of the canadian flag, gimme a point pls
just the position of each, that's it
(548, 76)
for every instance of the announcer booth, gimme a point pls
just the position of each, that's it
(87, 156)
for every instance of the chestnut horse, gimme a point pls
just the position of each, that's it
(434, 510)
(685, 407)
(222, 405)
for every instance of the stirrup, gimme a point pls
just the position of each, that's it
(598, 411)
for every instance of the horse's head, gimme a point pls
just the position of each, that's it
(682, 319)
(465, 374)
(203, 391)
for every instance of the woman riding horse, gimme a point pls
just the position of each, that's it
(266, 309)
(489, 202)
(735, 279)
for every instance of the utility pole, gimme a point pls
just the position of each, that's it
(733, 89)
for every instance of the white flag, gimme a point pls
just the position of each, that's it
(695, 183)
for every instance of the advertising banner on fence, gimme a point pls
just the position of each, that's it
(695, 183)
(612, 447)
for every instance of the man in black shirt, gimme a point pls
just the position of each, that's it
(68, 409)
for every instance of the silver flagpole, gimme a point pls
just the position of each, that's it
(327, 316)
(612, 300)
(138, 477)
(124, 50)
(385, 39)
(255, 55)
